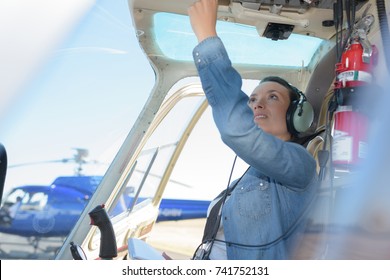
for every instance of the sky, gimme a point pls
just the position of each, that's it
(86, 94)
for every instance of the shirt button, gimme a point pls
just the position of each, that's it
(197, 54)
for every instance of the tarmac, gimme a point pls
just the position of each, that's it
(178, 239)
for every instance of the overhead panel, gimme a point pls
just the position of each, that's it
(293, 4)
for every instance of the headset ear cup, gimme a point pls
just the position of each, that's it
(302, 122)
(290, 117)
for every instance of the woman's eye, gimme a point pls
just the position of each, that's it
(273, 96)
(252, 100)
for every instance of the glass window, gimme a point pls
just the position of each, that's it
(176, 40)
(73, 115)
(204, 165)
(148, 171)
(169, 132)
(37, 201)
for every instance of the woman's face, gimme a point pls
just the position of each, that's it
(269, 103)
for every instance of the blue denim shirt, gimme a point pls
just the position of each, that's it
(266, 208)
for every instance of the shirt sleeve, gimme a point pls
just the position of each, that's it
(286, 162)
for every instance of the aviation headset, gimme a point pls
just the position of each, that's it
(300, 113)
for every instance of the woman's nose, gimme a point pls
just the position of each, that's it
(258, 104)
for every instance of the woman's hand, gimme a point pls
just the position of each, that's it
(203, 17)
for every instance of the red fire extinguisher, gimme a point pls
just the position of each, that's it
(349, 137)
(353, 70)
(350, 124)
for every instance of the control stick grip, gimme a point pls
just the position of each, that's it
(99, 218)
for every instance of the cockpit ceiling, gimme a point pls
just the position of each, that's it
(299, 5)
(307, 17)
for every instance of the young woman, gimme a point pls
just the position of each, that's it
(262, 211)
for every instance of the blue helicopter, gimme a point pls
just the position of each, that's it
(49, 211)
(44, 211)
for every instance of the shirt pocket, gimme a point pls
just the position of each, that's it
(254, 199)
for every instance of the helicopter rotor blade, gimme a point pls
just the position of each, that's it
(39, 162)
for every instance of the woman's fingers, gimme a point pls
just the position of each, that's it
(203, 17)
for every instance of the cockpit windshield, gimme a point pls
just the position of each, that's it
(176, 40)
